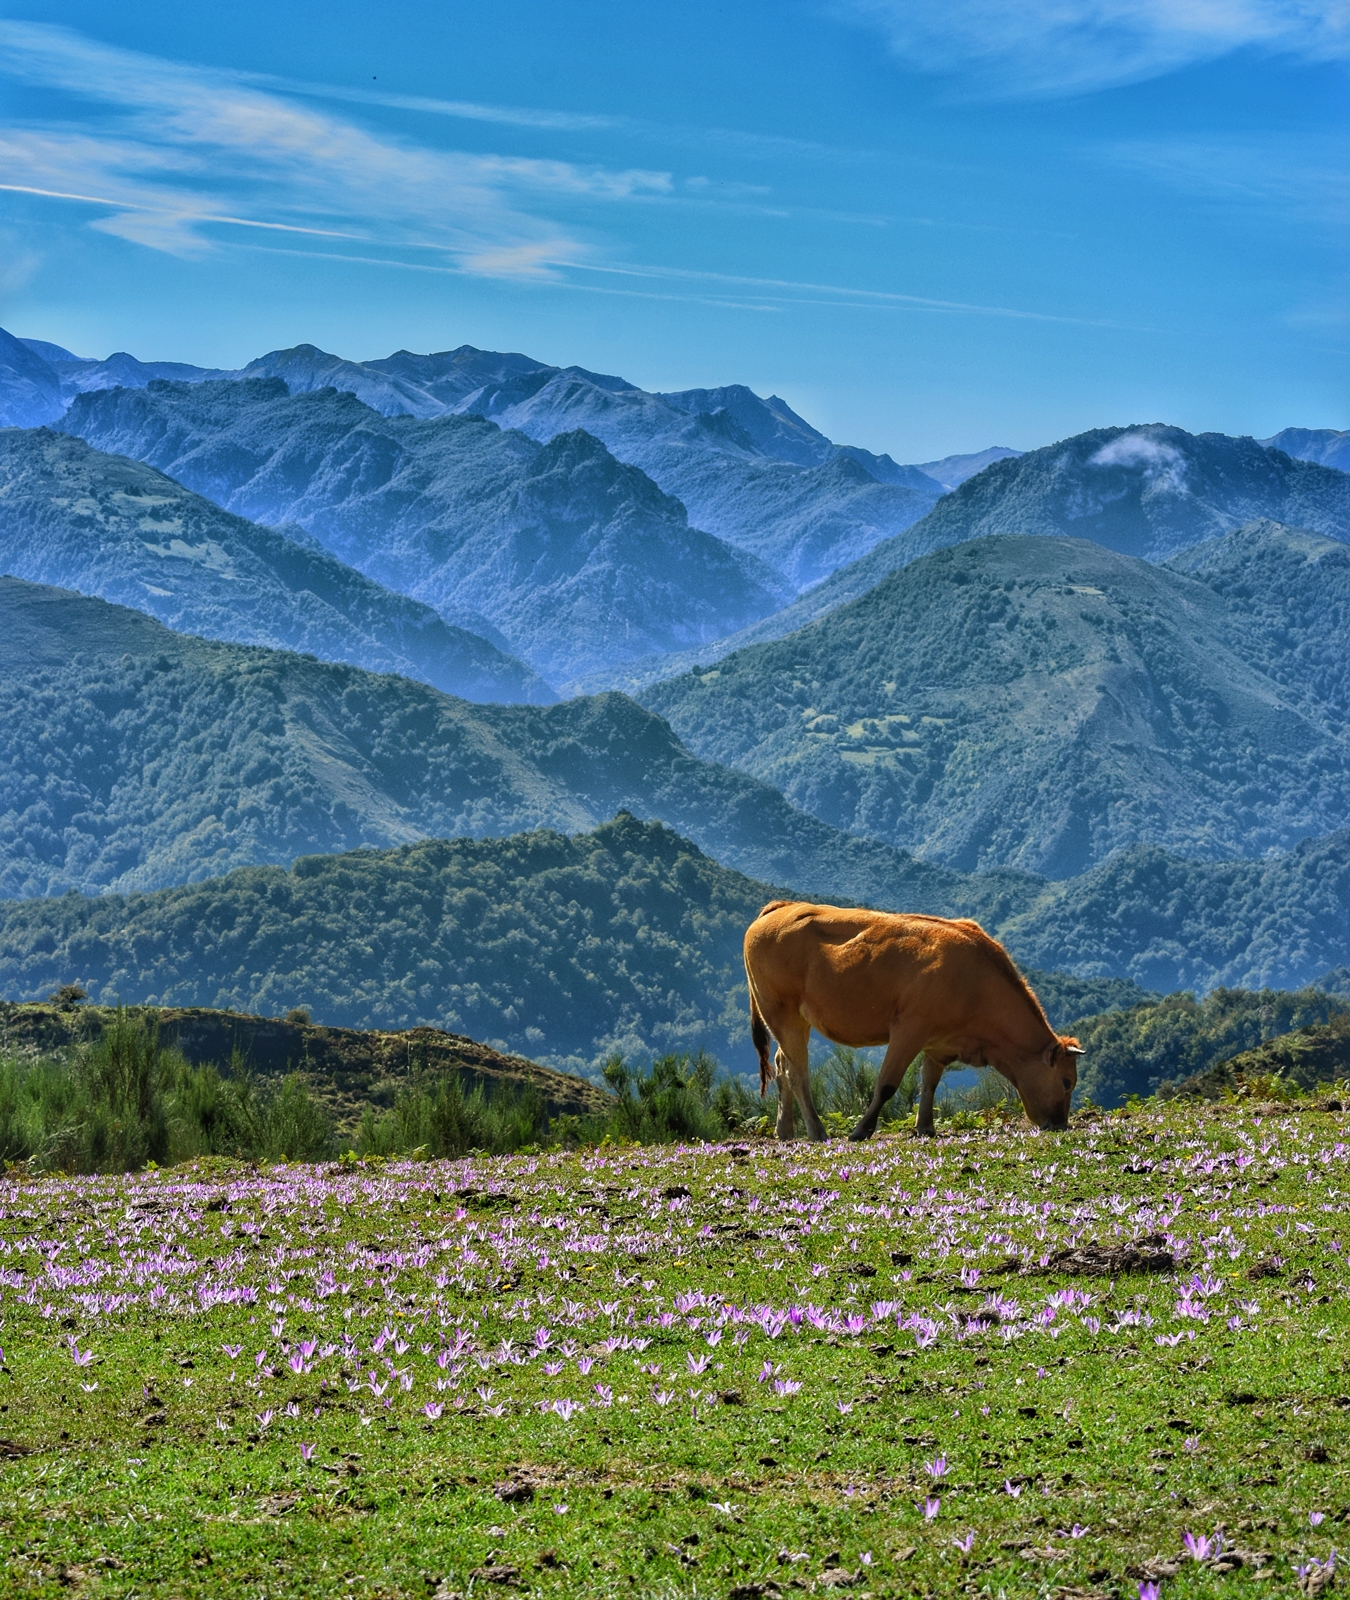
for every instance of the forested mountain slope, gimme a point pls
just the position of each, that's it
(108, 526)
(625, 938)
(1149, 491)
(559, 949)
(576, 560)
(1043, 702)
(1286, 598)
(133, 757)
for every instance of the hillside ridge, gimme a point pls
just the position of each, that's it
(1040, 702)
(349, 1067)
(114, 528)
(576, 559)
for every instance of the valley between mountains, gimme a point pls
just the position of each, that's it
(468, 690)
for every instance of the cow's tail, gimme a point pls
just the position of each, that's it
(759, 1032)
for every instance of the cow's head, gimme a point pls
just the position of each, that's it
(1046, 1083)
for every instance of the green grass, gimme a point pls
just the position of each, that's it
(162, 1481)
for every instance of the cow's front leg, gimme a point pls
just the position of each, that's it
(866, 1125)
(904, 1046)
(931, 1077)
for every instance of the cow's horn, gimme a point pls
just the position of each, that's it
(1075, 1049)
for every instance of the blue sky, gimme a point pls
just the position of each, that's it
(931, 227)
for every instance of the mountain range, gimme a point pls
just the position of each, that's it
(1095, 694)
(133, 757)
(118, 529)
(747, 469)
(575, 559)
(1042, 702)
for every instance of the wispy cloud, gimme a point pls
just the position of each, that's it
(728, 290)
(175, 151)
(1302, 180)
(529, 117)
(787, 291)
(1062, 47)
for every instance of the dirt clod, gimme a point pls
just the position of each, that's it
(1147, 1254)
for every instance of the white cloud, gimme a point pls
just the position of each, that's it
(1059, 47)
(177, 151)
(1162, 463)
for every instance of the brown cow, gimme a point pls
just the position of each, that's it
(915, 984)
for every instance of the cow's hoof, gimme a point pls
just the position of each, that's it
(860, 1133)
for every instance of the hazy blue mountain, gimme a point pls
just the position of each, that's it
(49, 352)
(107, 526)
(1330, 446)
(133, 757)
(1042, 703)
(625, 938)
(79, 374)
(30, 391)
(774, 429)
(750, 471)
(306, 368)
(1146, 491)
(747, 469)
(952, 471)
(577, 560)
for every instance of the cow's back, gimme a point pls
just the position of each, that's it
(854, 971)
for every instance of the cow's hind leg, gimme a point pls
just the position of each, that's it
(904, 1046)
(786, 1125)
(932, 1076)
(794, 1080)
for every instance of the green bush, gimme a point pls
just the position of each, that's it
(126, 1099)
(439, 1119)
(677, 1098)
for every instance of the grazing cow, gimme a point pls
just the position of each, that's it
(915, 984)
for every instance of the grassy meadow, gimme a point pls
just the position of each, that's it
(1108, 1362)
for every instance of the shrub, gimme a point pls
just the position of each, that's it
(438, 1118)
(126, 1099)
(678, 1097)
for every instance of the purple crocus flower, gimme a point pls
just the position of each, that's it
(1200, 1547)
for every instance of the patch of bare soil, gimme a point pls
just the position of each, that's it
(1147, 1254)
